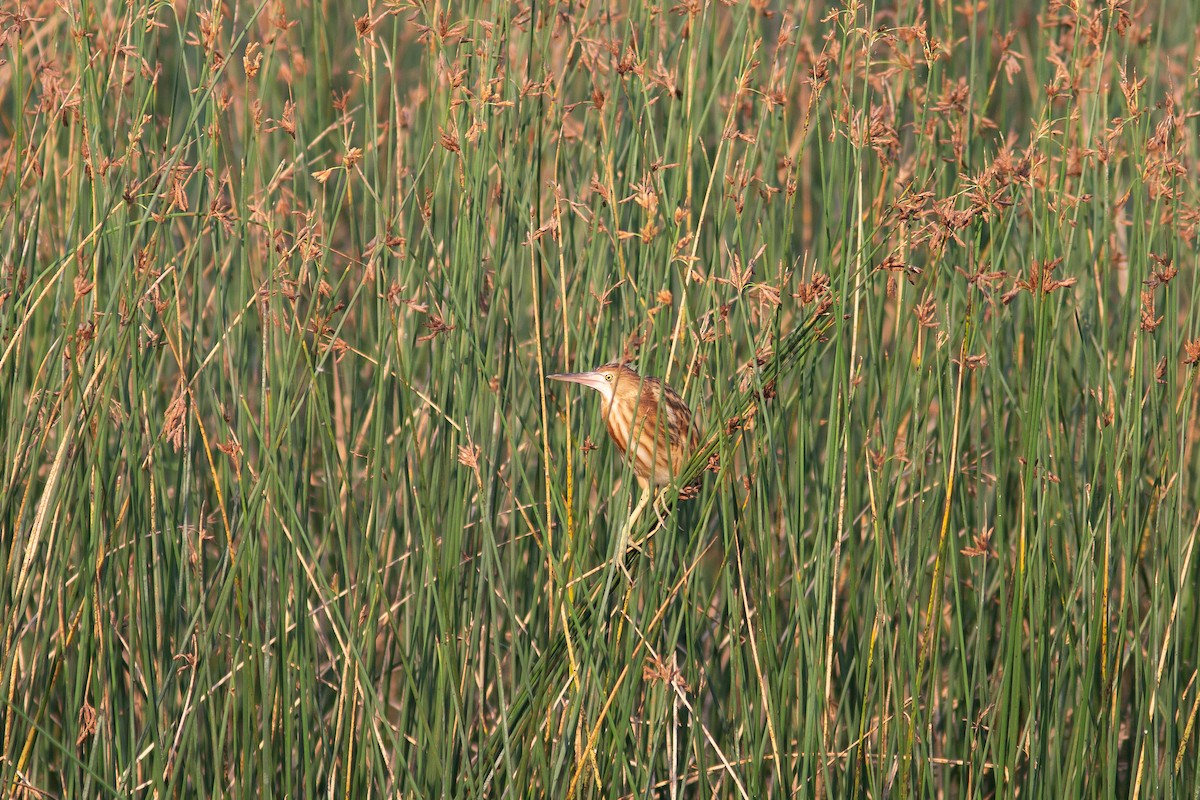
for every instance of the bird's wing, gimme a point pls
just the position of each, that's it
(679, 421)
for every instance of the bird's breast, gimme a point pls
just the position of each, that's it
(620, 425)
(656, 424)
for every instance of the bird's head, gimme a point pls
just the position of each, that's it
(611, 380)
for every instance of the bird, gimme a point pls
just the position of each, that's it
(647, 416)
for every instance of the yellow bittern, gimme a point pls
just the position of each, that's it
(646, 415)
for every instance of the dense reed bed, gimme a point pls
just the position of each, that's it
(289, 510)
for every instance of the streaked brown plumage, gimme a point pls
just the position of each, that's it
(646, 414)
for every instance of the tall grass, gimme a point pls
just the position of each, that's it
(288, 509)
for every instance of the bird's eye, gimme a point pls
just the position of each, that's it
(608, 378)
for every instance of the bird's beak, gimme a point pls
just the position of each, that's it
(594, 380)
